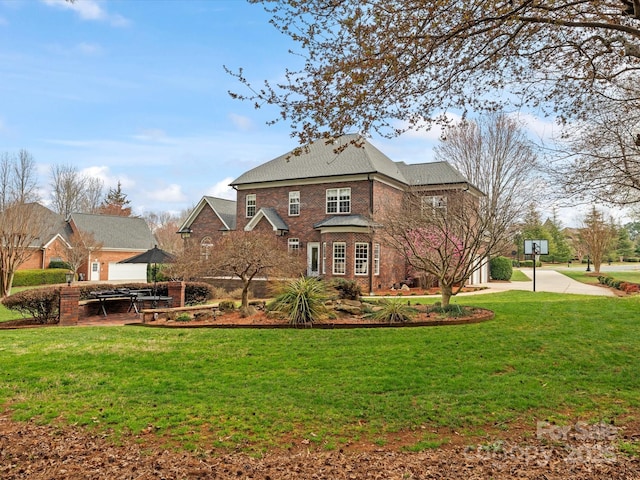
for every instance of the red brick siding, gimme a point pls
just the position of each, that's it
(206, 224)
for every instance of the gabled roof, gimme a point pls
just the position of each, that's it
(321, 160)
(115, 232)
(272, 217)
(223, 208)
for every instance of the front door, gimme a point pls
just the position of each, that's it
(313, 259)
(95, 271)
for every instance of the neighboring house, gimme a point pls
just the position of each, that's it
(324, 205)
(121, 238)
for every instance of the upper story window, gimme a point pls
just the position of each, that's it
(294, 203)
(433, 203)
(250, 205)
(339, 200)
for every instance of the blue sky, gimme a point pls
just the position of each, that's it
(135, 91)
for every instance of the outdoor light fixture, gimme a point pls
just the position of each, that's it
(69, 277)
(185, 233)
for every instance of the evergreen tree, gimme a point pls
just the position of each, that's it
(624, 245)
(115, 203)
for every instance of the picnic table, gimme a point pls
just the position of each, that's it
(104, 296)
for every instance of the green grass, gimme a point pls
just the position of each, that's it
(543, 356)
(590, 277)
(5, 313)
(518, 276)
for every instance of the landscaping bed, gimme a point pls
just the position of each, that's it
(261, 319)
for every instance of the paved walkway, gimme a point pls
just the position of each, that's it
(546, 281)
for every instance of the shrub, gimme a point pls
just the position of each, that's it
(42, 304)
(197, 293)
(451, 310)
(59, 264)
(301, 300)
(237, 294)
(183, 317)
(500, 268)
(394, 311)
(227, 305)
(348, 289)
(218, 292)
(31, 278)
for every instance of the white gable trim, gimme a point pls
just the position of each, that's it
(256, 219)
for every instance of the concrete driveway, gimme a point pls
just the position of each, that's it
(548, 281)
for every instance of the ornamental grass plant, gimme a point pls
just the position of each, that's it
(301, 301)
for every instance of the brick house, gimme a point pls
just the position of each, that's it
(323, 203)
(121, 238)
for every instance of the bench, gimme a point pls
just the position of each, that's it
(150, 314)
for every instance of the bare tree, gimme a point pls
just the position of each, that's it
(165, 226)
(247, 255)
(494, 154)
(22, 227)
(25, 180)
(389, 66)
(79, 248)
(598, 235)
(449, 239)
(18, 179)
(598, 159)
(73, 192)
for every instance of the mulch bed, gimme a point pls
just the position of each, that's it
(262, 320)
(41, 452)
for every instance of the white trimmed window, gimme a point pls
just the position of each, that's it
(339, 258)
(324, 257)
(362, 259)
(206, 244)
(376, 259)
(433, 203)
(251, 205)
(294, 245)
(294, 204)
(339, 200)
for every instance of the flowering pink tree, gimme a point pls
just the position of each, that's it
(448, 243)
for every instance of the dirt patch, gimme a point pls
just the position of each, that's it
(37, 452)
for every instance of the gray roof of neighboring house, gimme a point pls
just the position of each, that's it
(225, 209)
(129, 233)
(345, 221)
(321, 160)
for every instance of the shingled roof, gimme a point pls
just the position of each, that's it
(348, 155)
(320, 159)
(115, 232)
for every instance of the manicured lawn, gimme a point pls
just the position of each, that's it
(590, 277)
(544, 356)
(519, 276)
(5, 313)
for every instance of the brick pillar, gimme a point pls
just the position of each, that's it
(69, 308)
(176, 292)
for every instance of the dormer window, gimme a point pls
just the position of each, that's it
(339, 200)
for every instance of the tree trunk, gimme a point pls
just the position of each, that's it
(245, 293)
(447, 293)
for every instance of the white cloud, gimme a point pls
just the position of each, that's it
(241, 122)
(539, 128)
(169, 194)
(222, 189)
(89, 10)
(153, 135)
